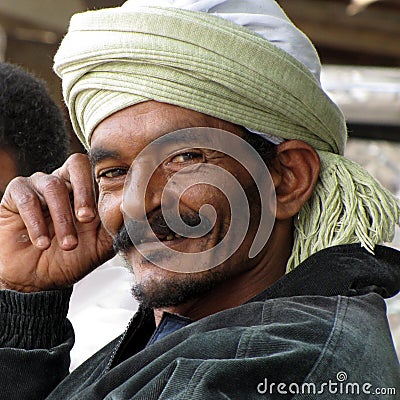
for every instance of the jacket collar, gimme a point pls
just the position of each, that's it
(345, 270)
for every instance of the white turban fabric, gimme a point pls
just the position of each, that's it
(242, 61)
(117, 57)
(265, 18)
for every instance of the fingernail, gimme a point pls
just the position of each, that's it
(85, 212)
(42, 241)
(69, 241)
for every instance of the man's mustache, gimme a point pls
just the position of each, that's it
(133, 231)
(122, 241)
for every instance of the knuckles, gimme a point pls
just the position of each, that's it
(77, 162)
(39, 181)
(25, 199)
(43, 190)
(47, 184)
(29, 191)
(17, 183)
(78, 158)
(52, 184)
(19, 190)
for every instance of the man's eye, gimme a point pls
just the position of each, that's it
(187, 157)
(112, 173)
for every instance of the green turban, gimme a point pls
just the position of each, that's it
(114, 58)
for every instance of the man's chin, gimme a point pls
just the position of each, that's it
(157, 286)
(167, 289)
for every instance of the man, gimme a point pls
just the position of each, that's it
(32, 129)
(167, 97)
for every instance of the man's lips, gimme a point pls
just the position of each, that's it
(158, 233)
(156, 244)
(155, 230)
(180, 245)
(162, 232)
(171, 236)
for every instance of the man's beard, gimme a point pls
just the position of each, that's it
(173, 289)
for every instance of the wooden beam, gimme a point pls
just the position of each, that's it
(374, 132)
(96, 4)
(347, 38)
(376, 30)
(47, 14)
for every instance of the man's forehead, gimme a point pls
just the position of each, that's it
(141, 124)
(208, 140)
(129, 131)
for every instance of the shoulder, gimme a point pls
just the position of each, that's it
(303, 340)
(328, 335)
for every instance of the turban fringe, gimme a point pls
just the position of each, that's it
(348, 206)
(114, 58)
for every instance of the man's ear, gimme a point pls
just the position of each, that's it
(295, 173)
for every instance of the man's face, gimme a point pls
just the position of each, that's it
(8, 170)
(116, 144)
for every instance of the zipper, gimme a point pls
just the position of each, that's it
(123, 337)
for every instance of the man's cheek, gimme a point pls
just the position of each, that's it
(110, 212)
(200, 194)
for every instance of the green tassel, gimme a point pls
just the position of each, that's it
(348, 206)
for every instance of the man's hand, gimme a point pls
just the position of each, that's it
(50, 233)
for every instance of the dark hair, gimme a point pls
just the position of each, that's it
(32, 126)
(266, 149)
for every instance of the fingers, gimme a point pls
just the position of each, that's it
(55, 194)
(32, 197)
(22, 199)
(78, 173)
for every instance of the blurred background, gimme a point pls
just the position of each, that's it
(359, 46)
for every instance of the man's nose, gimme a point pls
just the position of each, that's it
(143, 189)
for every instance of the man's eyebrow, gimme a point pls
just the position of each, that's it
(100, 154)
